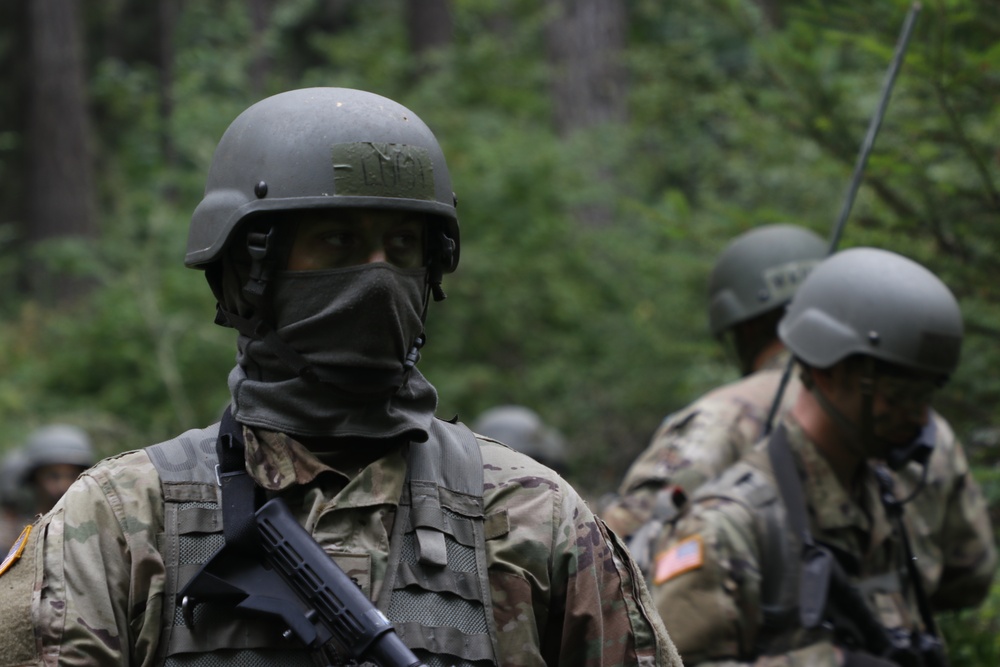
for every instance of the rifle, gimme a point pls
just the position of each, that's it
(318, 603)
(859, 169)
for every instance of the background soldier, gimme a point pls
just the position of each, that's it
(56, 455)
(15, 497)
(797, 551)
(751, 283)
(523, 429)
(327, 224)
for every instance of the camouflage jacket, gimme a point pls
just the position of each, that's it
(564, 589)
(950, 527)
(712, 568)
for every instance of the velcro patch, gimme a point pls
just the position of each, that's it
(687, 555)
(16, 550)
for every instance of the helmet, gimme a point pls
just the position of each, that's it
(876, 303)
(758, 272)
(522, 429)
(58, 443)
(320, 148)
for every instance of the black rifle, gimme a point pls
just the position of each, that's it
(304, 588)
(856, 626)
(859, 170)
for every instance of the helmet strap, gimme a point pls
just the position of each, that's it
(852, 433)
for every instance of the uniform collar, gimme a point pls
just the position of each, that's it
(277, 461)
(832, 506)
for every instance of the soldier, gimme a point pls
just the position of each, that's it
(750, 285)
(523, 429)
(57, 454)
(327, 224)
(801, 553)
(14, 497)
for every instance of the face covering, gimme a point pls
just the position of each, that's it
(354, 328)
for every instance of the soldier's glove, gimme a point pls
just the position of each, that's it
(862, 659)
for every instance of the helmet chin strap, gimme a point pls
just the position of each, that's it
(859, 438)
(897, 456)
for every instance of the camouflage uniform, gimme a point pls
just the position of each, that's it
(713, 608)
(562, 607)
(698, 443)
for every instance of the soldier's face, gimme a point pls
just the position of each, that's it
(52, 481)
(900, 401)
(334, 239)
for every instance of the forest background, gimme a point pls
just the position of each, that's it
(603, 153)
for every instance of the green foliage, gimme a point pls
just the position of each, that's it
(736, 119)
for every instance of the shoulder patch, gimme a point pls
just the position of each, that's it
(16, 550)
(686, 555)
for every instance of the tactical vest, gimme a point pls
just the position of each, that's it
(436, 590)
(748, 484)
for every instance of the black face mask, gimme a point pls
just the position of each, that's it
(356, 328)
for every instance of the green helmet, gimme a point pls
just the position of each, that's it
(758, 272)
(523, 430)
(321, 148)
(58, 443)
(876, 303)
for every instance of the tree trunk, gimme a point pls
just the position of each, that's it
(60, 180)
(429, 26)
(585, 42)
(167, 24)
(260, 18)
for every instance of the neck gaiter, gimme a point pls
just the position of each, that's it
(355, 328)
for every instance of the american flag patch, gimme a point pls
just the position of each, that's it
(682, 557)
(16, 550)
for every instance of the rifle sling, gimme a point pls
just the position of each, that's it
(816, 562)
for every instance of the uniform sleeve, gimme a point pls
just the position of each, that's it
(968, 551)
(101, 576)
(690, 448)
(604, 612)
(706, 587)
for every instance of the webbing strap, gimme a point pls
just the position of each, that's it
(816, 562)
(239, 492)
(460, 471)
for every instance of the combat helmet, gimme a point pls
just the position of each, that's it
(323, 148)
(758, 272)
(522, 429)
(873, 302)
(55, 444)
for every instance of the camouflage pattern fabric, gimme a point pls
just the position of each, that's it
(948, 522)
(713, 608)
(697, 443)
(564, 589)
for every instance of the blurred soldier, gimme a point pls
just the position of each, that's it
(522, 429)
(57, 454)
(750, 285)
(15, 497)
(801, 553)
(753, 280)
(327, 225)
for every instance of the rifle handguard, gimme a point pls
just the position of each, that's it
(358, 628)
